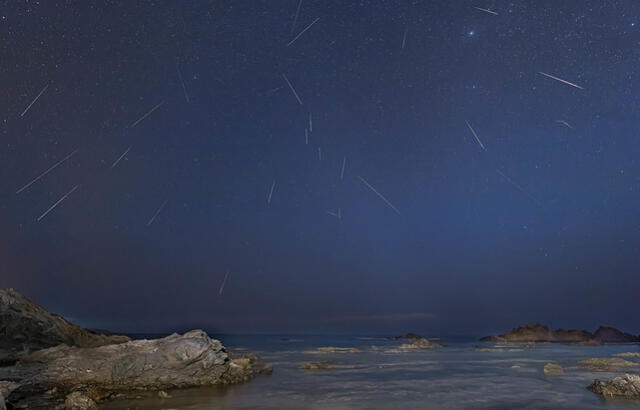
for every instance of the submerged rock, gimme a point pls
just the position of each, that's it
(606, 363)
(331, 349)
(542, 334)
(553, 369)
(323, 365)
(496, 349)
(627, 386)
(26, 327)
(408, 336)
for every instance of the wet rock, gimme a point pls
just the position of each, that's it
(627, 386)
(26, 327)
(245, 368)
(323, 365)
(7, 387)
(420, 343)
(553, 369)
(497, 349)
(606, 363)
(164, 395)
(79, 401)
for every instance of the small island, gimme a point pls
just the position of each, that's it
(543, 334)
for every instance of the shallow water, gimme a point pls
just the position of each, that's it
(454, 377)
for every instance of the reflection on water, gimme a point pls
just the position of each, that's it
(456, 376)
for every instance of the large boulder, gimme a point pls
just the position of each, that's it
(627, 386)
(26, 327)
(99, 373)
(176, 361)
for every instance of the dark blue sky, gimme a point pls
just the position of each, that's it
(542, 225)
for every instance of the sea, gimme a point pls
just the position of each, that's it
(456, 376)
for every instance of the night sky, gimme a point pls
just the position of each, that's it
(542, 225)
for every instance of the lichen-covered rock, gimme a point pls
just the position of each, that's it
(26, 327)
(79, 401)
(553, 369)
(627, 386)
(606, 363)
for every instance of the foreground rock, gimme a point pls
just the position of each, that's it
(542, 334)
(100, 373)
(602, 364)
(627, 386)
(26, 327)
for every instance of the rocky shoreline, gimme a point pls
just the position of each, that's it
(49, 363)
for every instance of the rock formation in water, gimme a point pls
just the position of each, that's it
(420, 343)
(553, 369)
(604, 364)
(26, 327)
(542, 334)
(627, 386)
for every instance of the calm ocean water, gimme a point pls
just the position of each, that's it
(454, 377)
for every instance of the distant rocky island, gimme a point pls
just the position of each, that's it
(543, 334)
(47, 362)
